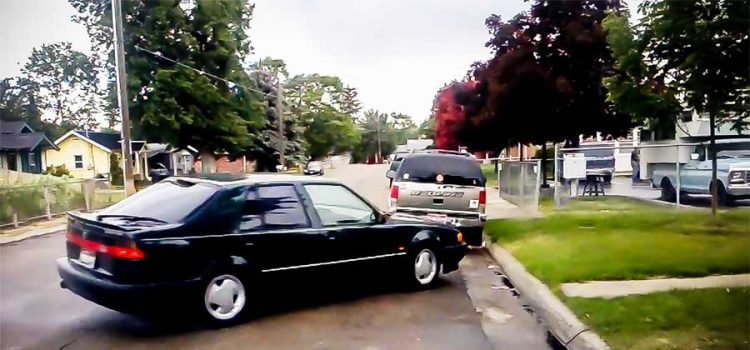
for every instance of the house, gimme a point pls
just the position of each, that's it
(21, 148)
(178, 161)
(87, 154)
(226, 165)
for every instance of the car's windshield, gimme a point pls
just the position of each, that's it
(166, 201)
(454, 170)
(314, 164)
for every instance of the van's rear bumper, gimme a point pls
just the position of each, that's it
(129, 298)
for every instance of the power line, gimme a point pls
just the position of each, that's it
(202, 72)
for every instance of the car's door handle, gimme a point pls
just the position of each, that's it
(331, 237)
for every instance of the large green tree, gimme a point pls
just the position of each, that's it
(63, 81)
(202, 100)
(702, 50)
(327, 110)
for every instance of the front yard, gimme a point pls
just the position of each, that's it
(615, 238)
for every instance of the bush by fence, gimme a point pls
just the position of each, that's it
(46, 198)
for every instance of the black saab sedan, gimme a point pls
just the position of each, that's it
(207, 242)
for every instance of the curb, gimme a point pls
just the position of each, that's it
(35, 233)
(561, 322)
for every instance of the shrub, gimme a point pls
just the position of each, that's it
(115, 171)
(57, 170)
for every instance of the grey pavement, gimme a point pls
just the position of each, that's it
(363, 311)
(613, 289)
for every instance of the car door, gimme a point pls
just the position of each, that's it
(278, 230)
(355, 229)
(692, 174)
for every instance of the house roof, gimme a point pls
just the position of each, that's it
(26, 141)
(107, 141)
(12, 127)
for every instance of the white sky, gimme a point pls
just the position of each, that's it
(397, 53)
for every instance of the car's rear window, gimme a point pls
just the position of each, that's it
(455, 170)
(168, 201)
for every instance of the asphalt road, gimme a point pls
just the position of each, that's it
(472, 309)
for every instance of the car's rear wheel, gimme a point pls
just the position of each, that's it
(225, 299)
(425, 269)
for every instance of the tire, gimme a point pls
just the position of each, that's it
(725, 199)
(668, 192)
(608, 179)
(224, 299)
(423, 267)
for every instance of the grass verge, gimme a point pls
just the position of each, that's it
(488, 171)
(694, 319)
(619, 239)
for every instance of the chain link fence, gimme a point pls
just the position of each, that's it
(669, 172)
(519, 182)
(20, 204)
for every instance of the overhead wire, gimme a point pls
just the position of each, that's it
(202, 72)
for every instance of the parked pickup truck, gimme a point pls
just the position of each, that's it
(733, 167)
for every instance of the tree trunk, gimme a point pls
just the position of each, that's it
(208, 162)
(544, 165)
(712, 154)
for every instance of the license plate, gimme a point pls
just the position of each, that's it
(441, 218)
(87, 258)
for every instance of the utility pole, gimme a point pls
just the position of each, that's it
(122, 97)
(379, 155)
(280, 120)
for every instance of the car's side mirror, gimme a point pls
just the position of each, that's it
(390, 174)
(380, 217)
(695, 156)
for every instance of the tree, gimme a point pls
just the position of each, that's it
(326, 109)
(378, 136)
(18, 101)
(556, 54)
(636, 88)
(65, 82)
(174, 103)
(403, 128)
(702, 47)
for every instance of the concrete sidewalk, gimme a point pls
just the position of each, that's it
(35, 229)
(613, 289)
(498, 208)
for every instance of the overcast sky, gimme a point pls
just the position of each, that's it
(397, 53)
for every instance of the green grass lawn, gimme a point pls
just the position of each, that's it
(616, 238)
(695, 319)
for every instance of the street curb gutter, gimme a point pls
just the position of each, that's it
(561, 322)
(35, 233)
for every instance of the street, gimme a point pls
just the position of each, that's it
(470, 309)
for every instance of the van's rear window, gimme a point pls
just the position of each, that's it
(455, 170)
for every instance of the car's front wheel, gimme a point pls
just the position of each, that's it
(425, 269)
(225, 299)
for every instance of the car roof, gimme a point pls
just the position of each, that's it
(231, 180)
(437, 155)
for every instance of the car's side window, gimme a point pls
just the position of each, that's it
(273, 207)
(337, 205)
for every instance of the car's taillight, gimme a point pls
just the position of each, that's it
(393, 199)
(482, 199)
(121, 252)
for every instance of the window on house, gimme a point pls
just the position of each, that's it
(78, 161)
(32, 159)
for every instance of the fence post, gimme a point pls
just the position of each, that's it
(556, 191)
(47, 205)
(15, 220)
(538, 187)
(522, 183)
(677, 172)
(84, 190)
